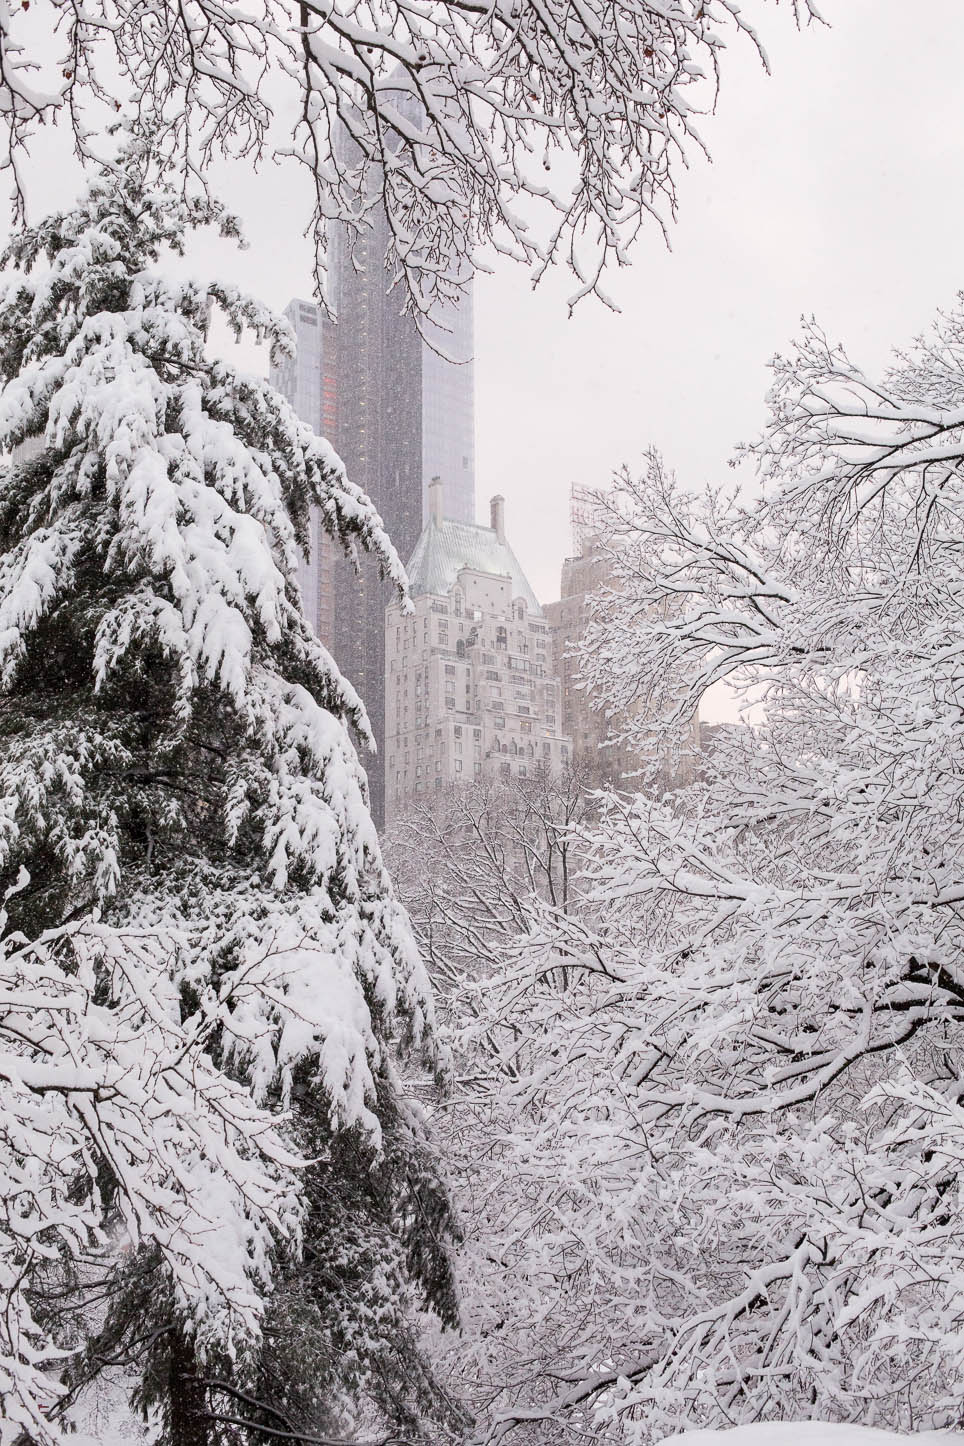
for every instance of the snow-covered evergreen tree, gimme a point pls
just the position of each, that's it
(203, 964)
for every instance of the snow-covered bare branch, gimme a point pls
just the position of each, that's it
(450, 117)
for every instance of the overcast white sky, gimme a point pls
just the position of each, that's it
(837, 187)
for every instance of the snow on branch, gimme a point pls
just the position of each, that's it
(453, 121)
(724, 1135)
(98, 1073)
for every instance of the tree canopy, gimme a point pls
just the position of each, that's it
(715, 1106)
(449, 117)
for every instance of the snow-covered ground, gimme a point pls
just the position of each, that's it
(806, 1433)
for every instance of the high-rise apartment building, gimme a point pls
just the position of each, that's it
(398, 405)
(590, 729)
(599, 751)
(470, 682)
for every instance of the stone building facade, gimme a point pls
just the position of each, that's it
(470, 681)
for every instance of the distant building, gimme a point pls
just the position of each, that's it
(599, 752)
(593, 753)
(470, 682)
(719, 742)
(308, 382)
(398, 413)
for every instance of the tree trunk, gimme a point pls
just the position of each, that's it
(186, 1395)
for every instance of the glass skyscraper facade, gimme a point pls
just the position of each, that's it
(399, 408)
(448, 410)
(305, 381)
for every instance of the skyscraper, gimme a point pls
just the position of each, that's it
(399, 408)
(308, 383)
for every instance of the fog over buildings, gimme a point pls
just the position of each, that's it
(481, 681)
(818, 197)
(398, 405)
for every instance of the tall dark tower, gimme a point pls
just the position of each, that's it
(379, 438)
(398, 413)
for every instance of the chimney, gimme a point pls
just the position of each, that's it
(497, 517)
(435, 501)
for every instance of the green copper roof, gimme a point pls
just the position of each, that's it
(444, 548)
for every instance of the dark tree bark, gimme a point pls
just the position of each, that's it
(189, 1425)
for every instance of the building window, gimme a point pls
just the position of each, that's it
(458, 730)
(450, 670)
(458, 765)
